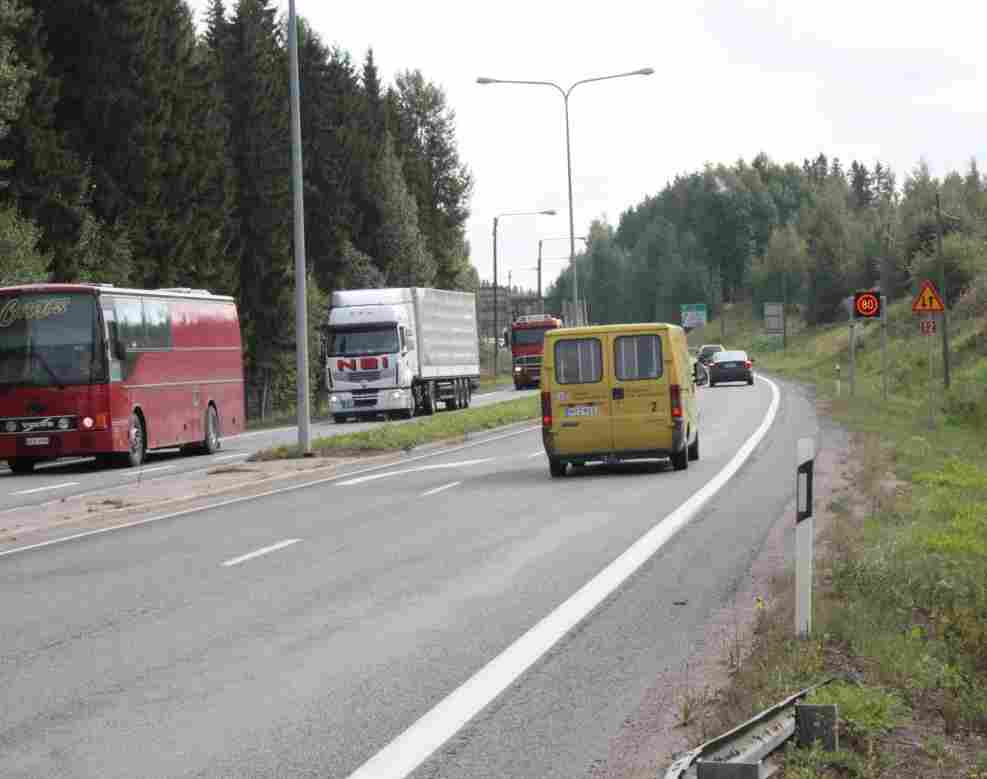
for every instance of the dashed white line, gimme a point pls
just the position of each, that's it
(142, 471)
(414, 746)
(539, 453)
(259, 552)
(49, 487)
(443, 488)
(439, 466)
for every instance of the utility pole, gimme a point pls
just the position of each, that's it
(495, 334)
(784, 308)
(942, 292)
(540, 303)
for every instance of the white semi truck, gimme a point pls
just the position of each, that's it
(400, 352)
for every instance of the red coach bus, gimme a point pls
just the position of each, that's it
(111, 372)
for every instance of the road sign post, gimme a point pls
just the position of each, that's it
(884, 347)
(866, 305)
(804, 536)
(853, 357)
(928, 305)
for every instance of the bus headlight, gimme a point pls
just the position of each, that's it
(87, 422)
(63, 423)
(11, 426)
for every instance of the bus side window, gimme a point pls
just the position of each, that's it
(115, 347)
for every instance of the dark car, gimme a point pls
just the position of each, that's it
(706, 352)
(731, 366)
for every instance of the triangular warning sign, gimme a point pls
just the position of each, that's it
(927, 301)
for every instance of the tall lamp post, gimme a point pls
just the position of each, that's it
(568, 151)
(549, 212)
(582, 238)
(301, 313)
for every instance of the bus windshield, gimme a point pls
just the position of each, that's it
(49, 340)
(361, 341)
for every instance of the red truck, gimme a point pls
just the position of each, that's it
(527, 339)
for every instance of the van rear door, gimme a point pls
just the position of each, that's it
(581, 396)
(641, 406)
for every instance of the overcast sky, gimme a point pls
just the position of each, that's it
(855, 79)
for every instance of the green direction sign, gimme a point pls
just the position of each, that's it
(693, 315)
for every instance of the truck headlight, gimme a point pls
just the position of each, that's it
(333, 399)
(397, 395)
(517, 368)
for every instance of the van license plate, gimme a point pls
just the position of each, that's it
(41, 440)
(580, 411)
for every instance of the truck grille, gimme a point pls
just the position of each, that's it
(364, 398)
(361, 376)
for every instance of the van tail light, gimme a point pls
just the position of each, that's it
(748, 364)
(546, 409)
(675, 394)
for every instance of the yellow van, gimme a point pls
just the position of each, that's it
(616, 392)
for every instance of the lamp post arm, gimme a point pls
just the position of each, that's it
(602, 78)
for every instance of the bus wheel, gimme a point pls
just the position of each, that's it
(138, 442)
(211, 443)
(21, 465)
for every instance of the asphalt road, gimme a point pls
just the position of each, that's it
(301, 634)
(63, 478)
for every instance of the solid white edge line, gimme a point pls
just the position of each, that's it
(143, 471)
(412, 747)
(539, 453)
(258, 552)
(49, 487)
(443, 488)
(419, 469)
(245, 498)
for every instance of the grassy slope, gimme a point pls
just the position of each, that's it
(902, 592)
(442, 426)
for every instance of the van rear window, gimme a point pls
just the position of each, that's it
(637, 357)
(578, 361)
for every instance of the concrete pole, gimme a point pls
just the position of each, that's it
(301, 298)
(495, 333)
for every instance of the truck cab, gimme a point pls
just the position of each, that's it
(527, 339)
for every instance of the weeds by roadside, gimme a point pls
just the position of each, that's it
(900, 603)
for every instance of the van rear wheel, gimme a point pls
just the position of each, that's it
(680, 460)
(694, 449)
(556, 467)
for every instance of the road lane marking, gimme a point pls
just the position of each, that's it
(403, 471)
(215, 458)
(539, 453)
(245, 498)
(142, 471)
(443, 488)
(50, 487)
(259, 552)
(416, 744)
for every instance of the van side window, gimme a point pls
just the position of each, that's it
(638, 357)
(578, 361)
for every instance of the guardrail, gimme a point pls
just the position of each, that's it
(744, 752)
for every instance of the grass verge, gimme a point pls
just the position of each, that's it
(442, 426)
(900, 597)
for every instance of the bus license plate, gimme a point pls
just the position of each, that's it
(40, 440)
(580, 411)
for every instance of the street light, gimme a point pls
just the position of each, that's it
(582, 238)
(568, 152)
(549, 212)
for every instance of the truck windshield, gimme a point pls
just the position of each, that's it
(529, 337)
(358, 341)
(49, 340)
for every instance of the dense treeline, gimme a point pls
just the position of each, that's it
(136, 151)
(756, 231)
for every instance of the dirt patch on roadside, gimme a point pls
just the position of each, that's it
(141, 499)
(676, 712)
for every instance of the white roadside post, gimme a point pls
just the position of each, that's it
(804, 536)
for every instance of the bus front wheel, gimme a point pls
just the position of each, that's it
(22, 465)
(138, 443)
